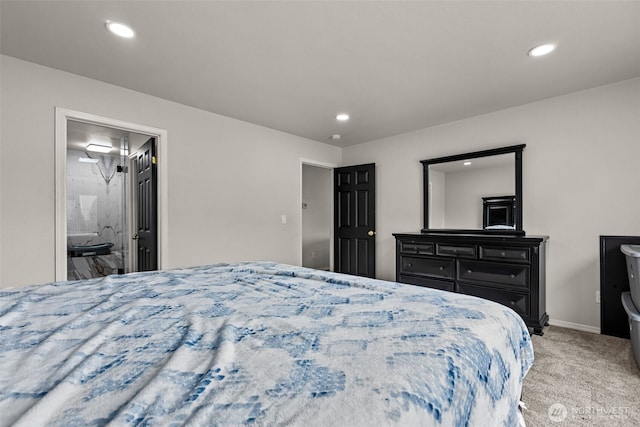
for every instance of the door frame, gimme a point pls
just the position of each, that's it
(331, 167)
(62, 115)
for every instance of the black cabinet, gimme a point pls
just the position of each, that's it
(613, 282)
(509, 270)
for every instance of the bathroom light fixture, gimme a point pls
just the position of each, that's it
(342, 117)
(87, 160)
(121, 30)
(98, 148)
(541, 50)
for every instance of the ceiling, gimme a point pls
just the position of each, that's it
(394, 66)
(79, 135)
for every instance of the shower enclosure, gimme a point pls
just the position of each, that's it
(97, 193)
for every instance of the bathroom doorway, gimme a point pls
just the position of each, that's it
(97, 189)
(101, 196)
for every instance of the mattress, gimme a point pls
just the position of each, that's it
(257, 343)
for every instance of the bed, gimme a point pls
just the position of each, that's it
(257, 343)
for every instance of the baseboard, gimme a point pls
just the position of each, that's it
(577, 326)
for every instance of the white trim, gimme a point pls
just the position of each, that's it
(62, 115)
(319, 164)
(577, 326)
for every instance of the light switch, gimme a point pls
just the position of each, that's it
(284, 219)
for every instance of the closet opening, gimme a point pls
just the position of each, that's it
(317, 216)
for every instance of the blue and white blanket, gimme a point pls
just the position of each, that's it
(256, 344)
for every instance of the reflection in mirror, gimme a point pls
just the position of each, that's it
(457, 189)
(479, 191)
(499, 213)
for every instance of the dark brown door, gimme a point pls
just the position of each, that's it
(147, 216)
(355, 220)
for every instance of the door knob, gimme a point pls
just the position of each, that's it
(135, 237)
(371, 233)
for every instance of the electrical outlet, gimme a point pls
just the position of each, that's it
(598, 297)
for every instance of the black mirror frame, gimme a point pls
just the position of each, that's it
(516, 149)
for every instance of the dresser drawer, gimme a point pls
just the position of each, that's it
(508, 270)
(467, 251)
(444, 285)
(416, 248)
(433, 267)
(506, 254)
(518, 302)
(492, 272)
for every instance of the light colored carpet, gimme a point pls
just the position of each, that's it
(581, 379)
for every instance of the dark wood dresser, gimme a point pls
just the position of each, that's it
(506, 269)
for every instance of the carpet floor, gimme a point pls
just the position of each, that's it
(581, 379)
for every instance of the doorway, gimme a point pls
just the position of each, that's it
(97, 194)
(102, 191)
(316, 217)
(338, 208)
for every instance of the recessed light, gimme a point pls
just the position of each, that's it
(336, 137)
(121, 30)
(87, 160)
(543, 49)
(98, 148)
(342, 117)
(467, 163)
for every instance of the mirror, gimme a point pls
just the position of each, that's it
(478, 192)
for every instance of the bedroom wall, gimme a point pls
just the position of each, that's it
(229, 181)
(581, 173)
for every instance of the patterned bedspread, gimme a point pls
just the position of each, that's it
(257, 344)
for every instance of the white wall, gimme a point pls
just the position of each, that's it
(229, 181)
(581, 173)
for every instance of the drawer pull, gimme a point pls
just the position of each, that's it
(513, 276)
(409, 264)
(441, 268)
(469, 271)
(514, 254)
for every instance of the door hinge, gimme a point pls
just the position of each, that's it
(154, 160)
